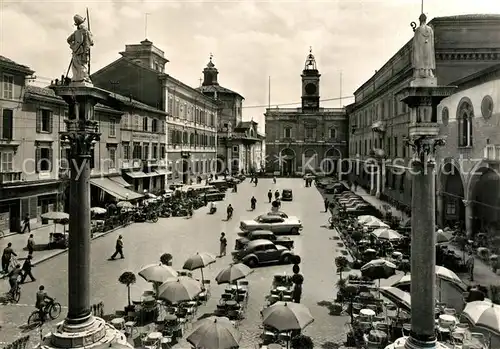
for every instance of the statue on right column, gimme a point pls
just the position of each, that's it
(424, 57)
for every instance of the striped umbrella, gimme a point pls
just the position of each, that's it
(483, 314)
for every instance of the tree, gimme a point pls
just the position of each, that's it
(128, 279)
(166, 259)
(302, 342)
(342, 263)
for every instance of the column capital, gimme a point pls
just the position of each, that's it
(424, 148)
(466, 202)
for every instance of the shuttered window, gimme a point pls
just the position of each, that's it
(7, 124)
(44, 159)
(44, 118)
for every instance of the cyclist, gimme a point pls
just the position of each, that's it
(42, 299)
(14, 279)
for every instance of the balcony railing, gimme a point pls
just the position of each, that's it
(10, 177)
(492, 152)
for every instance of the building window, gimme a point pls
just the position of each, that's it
(145, 123)
(155, 151)
(235, 149)
(44, 121)
(8, 86)
(126, 151)
(136, 122)
(7, 124)
(287, 132)
(445, 116)
(137, 151)
(162, 152)
(146, 152)
(43, 161)
(6, 161)
(309, 133)
(112, 157)
(487, 107)
(395, 146)
(465, 115)
(112, 128)
(451, 207)
(154, 125)
(332, 133)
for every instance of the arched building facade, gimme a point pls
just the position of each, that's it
(468, 166)
(309, 139)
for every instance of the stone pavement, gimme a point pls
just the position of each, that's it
(41, 236)
(145, 242)
(483, 274)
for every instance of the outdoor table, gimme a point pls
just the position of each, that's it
(118, 323)
(367, 312)
(377, 336)
(472, 343)
(231, 304)
(274, 346)
(281, 288)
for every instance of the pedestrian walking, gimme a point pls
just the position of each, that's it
(118, 248)
(26, 223)
(256, 181)
(30, 245)
(327, 204)
(470, 266)
(270, 195)
(27, 266)
(8, 252)
(223, 245)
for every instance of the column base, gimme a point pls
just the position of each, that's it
(411, 343)
(95, 334)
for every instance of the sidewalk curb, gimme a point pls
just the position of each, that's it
(60, 252)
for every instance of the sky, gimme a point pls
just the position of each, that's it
(250, 40)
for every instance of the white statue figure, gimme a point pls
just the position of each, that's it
(424, 59)
(80, 42)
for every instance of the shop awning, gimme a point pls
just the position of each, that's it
(140, 174)
(121, 181)
(115, 189)
(163, 171)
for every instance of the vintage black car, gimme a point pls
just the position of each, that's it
(287, 195)
(215, 195)
(220, 184)
(266, 235)
(258, 252)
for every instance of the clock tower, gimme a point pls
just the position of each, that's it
(310, 85)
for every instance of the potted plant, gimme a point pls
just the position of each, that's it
(342, 264)
(166, 259)
(302, 342)
(128, 279)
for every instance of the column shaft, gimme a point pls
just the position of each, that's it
(423, 253)
(79, 239)
(469, 216)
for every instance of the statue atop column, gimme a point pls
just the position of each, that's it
(80, 42)
(424, 56)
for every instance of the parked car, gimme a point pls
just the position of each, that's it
(219, 184)
(277, 213)
(215, 195)
(278, 225)
(309, 176)
(286, 195)
(258, 252)
(266, 235)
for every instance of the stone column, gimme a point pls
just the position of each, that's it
(229, 158)
(440, 208)
(469, 217)
(373, 178)
(81, 328)
(423, 253)
(378, 188)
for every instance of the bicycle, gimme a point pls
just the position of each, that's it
(38, 317)
(14, 295)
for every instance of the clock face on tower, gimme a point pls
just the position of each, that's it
(310, 88)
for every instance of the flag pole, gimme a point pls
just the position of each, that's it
(88, 21)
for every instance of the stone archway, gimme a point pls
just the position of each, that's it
(483, 195)
(453, 194)
(330, 162)
(287, 161)
(309, 161)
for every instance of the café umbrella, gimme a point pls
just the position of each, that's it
(98, 210)
(378, 269)
(199, 261)
(214, 333)
(182, 289)
(124, 204)
(483, 314)
(401, 298)
(57, 217)
(386, 234)
(158, 273)
(233, 273)
(287, 316)
(442, 273)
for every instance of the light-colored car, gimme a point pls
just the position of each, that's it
(277, 213)
(277, 224)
